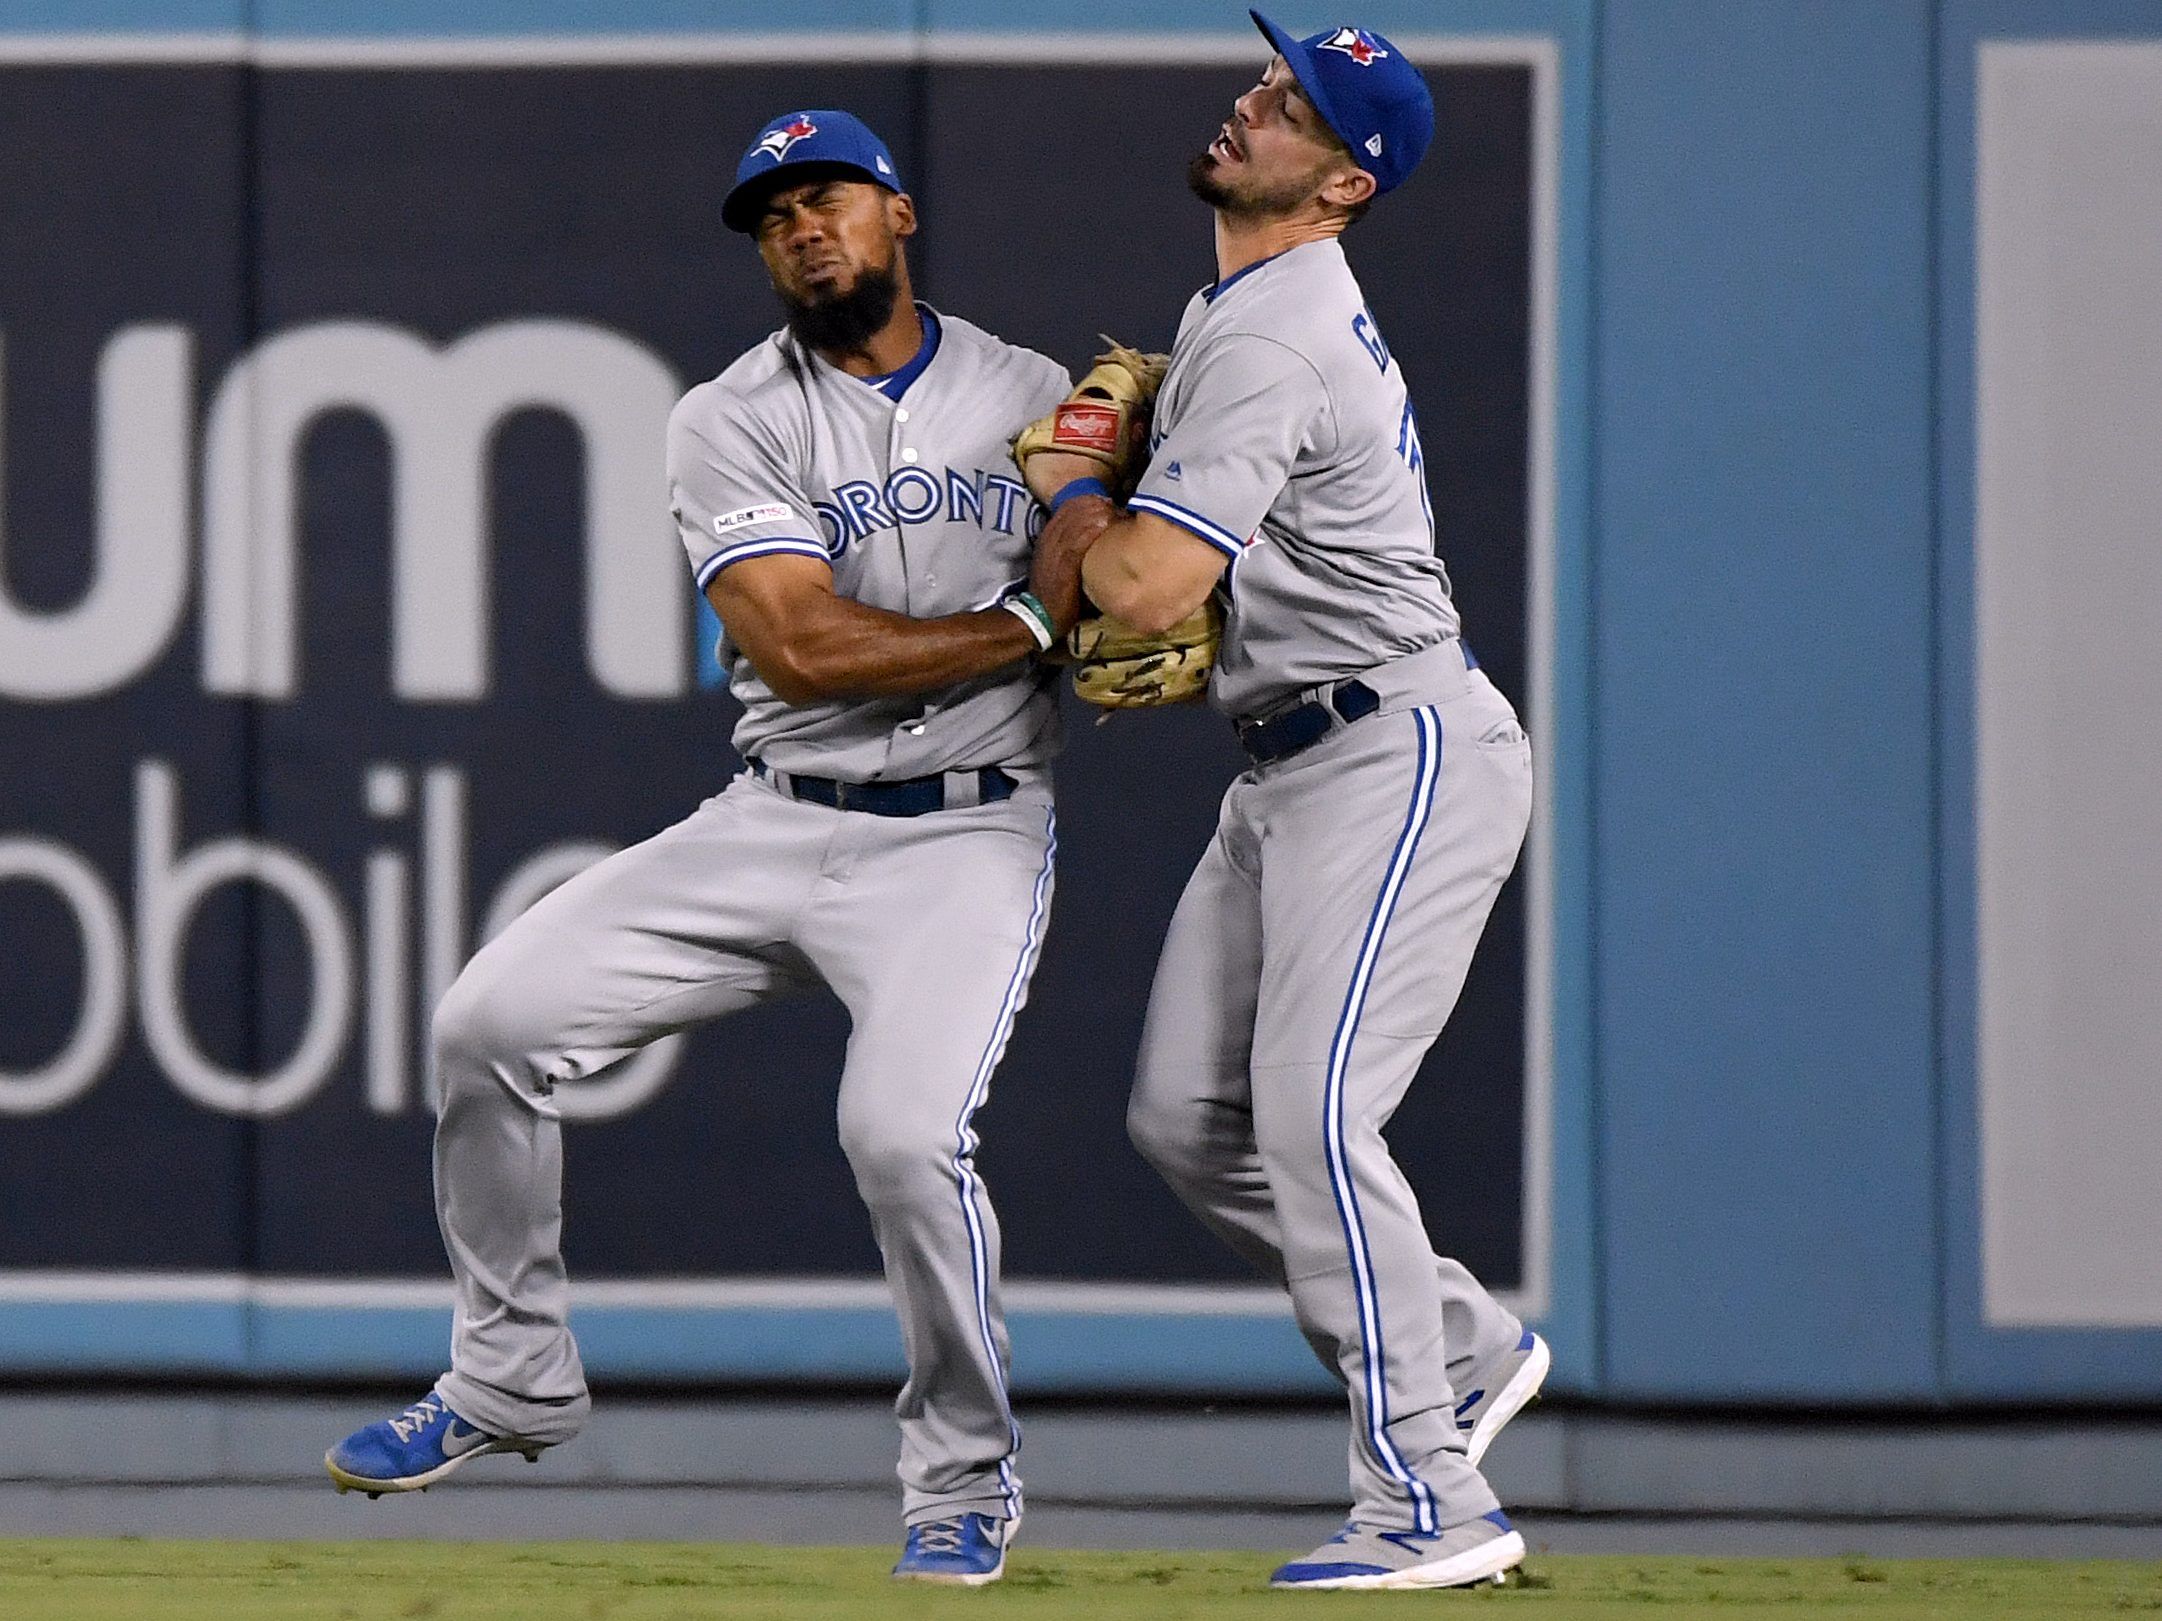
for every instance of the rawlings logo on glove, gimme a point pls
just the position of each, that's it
(1087, 428)
(1104, 419)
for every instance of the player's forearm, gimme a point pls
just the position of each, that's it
(856, 651)
(1127, 576)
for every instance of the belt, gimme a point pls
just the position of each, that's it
(914, 796)
(1284, 734)
(1431, 675)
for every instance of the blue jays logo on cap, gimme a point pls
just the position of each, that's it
(800, 147)
(1355, 43)
(777, 142)
(1376, 102)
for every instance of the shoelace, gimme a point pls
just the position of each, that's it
(939, 1536)
(417, 1417)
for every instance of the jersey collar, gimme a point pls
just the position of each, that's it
(1215, 290)
(894, 384)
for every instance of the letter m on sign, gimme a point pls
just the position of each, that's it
(440, 409)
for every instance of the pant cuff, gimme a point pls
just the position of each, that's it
(502, 1414)
(993, 1504)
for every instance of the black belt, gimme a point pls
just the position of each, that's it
(1283, 735)
(914, 796)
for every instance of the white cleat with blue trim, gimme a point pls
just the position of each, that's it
(965, 1551)
(1481, 1550)
(416, 1449)
(1510, 1386)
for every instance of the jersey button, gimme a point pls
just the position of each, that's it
(901, 415)
(908, 455)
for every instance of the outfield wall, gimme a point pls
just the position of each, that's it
(1788, 382)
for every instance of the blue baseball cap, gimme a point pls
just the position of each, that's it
(797, 148)
(1366, 91)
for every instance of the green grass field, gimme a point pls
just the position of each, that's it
(227, 1581)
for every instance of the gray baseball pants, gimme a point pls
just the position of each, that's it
(1315, 955)
(926, 927)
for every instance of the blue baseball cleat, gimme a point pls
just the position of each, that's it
(1507, 1388)
(413, 1451)
(966, 1551)
(1481, 1550)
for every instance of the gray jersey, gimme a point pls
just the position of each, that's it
(1284, 437)
(916, 507)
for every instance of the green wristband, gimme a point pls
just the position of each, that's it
(1029, 609)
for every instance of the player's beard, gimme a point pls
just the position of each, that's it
(1209, 181)
(845, 322)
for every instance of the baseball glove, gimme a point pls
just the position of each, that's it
(1105, 418)
(1117, 667)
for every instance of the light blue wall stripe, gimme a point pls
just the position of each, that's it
(1229, 16)
(124, 1337)
(314, 18)
(379, 18)
(123, 16)
(1053, 1351)
(1765, 838)
(1571, 1324)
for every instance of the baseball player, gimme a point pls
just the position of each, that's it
(1325, 935)
(848, 505)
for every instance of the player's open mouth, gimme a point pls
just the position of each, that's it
(1222, 147)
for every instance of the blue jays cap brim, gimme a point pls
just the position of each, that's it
(742, 208)
(1301, 62)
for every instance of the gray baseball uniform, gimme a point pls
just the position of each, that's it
(927, 926)
(1323, 940)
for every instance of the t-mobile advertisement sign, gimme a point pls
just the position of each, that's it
(342, 616)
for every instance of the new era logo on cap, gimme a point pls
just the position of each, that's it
(1357, 44)
(1373, 145)
(776, 143)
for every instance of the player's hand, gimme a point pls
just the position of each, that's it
(1055, 576)
(1050, 471)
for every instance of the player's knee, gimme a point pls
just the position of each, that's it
(460, 1034)
(897, 1158)
(1167, 1132)
(480, 1027)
